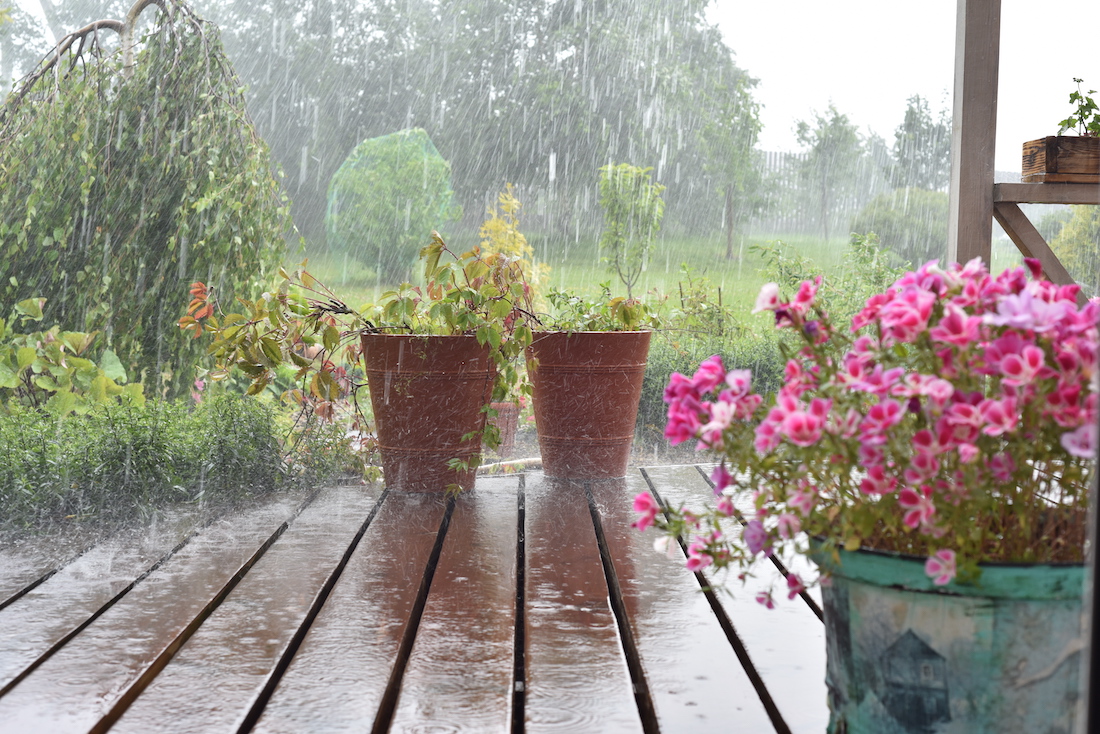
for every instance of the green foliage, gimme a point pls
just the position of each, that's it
(1078, 247)
(910, 222)
(118, 461)
(696, 326)
(302, 324)
(572, 312)
(1086, 119)
(922, 148)
(866, 269)
(119, 186)
(54, 370)
(632, 213)
(1050, 224)
(700, 310)
(500, 234)
(386, 199)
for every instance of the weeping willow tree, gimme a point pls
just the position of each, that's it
(128, 169)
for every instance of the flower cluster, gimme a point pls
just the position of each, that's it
(957, 419)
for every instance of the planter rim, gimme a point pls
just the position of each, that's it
(999, 580)
(547, 332)
(407, 335)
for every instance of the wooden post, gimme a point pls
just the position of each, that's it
(974, 129)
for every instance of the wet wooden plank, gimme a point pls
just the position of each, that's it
(46, 616)
(338, 678)
(28, 559)
(786, 644)
(459, 676)
(78, 685)
(577, 676)
(240, 644)
(694, 676)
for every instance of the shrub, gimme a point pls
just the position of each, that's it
(118, 188)
(385, 200)
(910, 222)
(1078, 247)
(118, 461)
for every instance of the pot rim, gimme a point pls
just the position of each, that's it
(999, 580)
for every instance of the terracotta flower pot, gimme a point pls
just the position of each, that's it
(427, 393)
(586, 388)
(507, 422)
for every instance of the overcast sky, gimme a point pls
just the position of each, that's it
(869, 56)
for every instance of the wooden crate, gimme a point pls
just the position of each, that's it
(1062, 159)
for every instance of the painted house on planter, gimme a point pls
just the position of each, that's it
(915, 679)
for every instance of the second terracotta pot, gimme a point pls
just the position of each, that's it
(586, 388)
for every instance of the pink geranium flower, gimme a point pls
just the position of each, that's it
(767, 299)
(941, 567)
(918, 506)
(1081, 442)
(647, 509)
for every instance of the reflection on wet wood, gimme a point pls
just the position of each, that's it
(577, 676)
(27, 561)
(339, 675)
(237, 648)
(78, 685)
(353, 611)
(693, 674)
(786, 644)
(47, 616)
(459, 676)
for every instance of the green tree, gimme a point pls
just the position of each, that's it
(126, 173)
(922, 148)
(834, 153)
(727, 145)
(386, 199)
(910, 222)
(536, 92)
(632, 212)
(1078, 247)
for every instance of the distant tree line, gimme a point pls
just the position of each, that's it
(542, 94)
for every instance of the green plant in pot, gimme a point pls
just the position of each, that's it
(933, 460)
(1065, 158)
(586, 363)
(436, 355)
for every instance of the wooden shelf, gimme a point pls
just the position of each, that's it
(1046, 193)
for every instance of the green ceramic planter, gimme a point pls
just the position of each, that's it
(906, 656)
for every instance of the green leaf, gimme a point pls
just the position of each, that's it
(8, 379)
(62, 403)
(98, 391)
(134, 393)
(112, 366)
(31, 308)
(25, 357)
(331, 338)
(271, 350)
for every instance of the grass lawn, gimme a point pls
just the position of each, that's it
(577, 267)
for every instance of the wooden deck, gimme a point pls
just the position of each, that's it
(528, 604)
